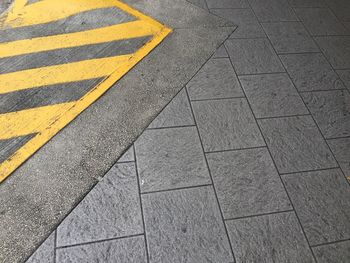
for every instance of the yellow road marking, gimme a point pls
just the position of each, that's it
(46, 121)
(101, 35)
(83, 70)
(23, 14)
(17, 124)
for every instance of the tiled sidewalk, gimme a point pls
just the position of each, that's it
(249, 161)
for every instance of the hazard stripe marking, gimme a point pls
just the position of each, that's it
(40, 123)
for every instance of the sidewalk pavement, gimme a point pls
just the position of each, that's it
(248, 163)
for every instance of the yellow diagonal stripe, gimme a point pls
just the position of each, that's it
(82, 70)
(46, 11)
(106, 34)
(30, 121)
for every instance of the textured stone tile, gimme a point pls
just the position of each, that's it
(227, 4)
(269, 238)
(273, 10)
(341, 150)
(289, 37)
(320, 21)
(111, 209)
(185, 226)
(336, 50)
(345, 77)
(296, 144)
(252, 56)
(307, 3)
(170, 158)
(347, 25)
(341, 8)
(333, 253)
(199, 3)
(216, 79)
(226, 124)
(128, 156)
(176, 113)
(322, 201)
(123, 250)
(331, 110)
(45, 253)
(220, 52)
(247, 183)
(248, 25)
(311, 72)
(272, 95)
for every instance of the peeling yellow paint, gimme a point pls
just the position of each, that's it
(75, 71)
(128, 30)
(45, 11)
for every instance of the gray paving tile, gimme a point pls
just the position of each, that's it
(216, 79)
(289, 37)
(341, 8)
(227, 4)
(296, 144)
(345, 77)
(347, 25)
(45, 253)
(123, 250)
(226, 124)
(220, 52)
(333, 253)
(170, 158)
(199, 3)
(273, 10)
(322, 201)
(272, 95)
(311, 72)
(247, 183)
(248, 25)
(111, 209)
(336, 50)
(341, 150)
(252, 56)
(331, 110)
(128, 156)
(176, 113)
(307, 3)
(320, 21)
(269, 238)
(185, 226)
